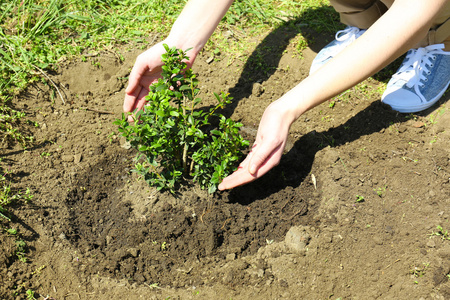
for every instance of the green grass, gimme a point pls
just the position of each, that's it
(35, 35)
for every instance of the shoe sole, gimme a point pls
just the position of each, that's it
(415, 109)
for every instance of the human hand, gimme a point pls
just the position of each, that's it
(267, 149)
(146, 70)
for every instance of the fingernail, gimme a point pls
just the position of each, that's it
(252, 169)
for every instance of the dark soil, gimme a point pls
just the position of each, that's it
(351, 212)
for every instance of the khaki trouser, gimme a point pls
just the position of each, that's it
(363, 13)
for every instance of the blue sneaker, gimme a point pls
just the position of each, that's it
(343, 38)
(421, 80)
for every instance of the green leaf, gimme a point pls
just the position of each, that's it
(12, 231)
(216, 132)
(212, 189)
(184, 87)
(190, 120)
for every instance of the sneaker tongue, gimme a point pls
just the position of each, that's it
(412, 69)
(408, 70)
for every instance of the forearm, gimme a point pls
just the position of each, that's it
(400, 29)
(196, 23)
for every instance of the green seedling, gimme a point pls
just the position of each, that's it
(380, 191)
(7, 196)
(419, 271)
(153, 285)
(111, 137)
(30, 295)
(359, 198)
(444, 234)
(164, 246)
(45, 154)
(21, 248)
(2, 213)
(175, 139)
(12, 231)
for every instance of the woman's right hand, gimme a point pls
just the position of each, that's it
(146, 70)
(267, 149)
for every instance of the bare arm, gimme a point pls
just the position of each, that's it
(197, 22)
(398, 30)
(192, 29)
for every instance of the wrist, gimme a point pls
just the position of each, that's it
(184, 44)
(285, 110)
(291, 106)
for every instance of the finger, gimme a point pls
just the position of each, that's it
(264, 153)
(129, 104)
(236, 178)
(240, 177)
(138, 70)
(243, 176)
(133, 102)
(245, 162)
(140, 100)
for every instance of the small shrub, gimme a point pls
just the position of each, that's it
(177, 141)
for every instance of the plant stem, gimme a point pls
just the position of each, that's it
(185, 148)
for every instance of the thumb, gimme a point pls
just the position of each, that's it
(134, 77)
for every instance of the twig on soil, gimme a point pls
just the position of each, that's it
(225, 223)
(435, 167)
(391, 264)
(285, 204)
(314, 181)
(296, 213)
(72, 294)
(52, 82)
(98, 111)
(117, 56)
(204, 213)
(90, 54)
(293, 215)
(153, 286)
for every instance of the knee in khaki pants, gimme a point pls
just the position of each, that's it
(440, 30)
(363, 13)
(359, 13)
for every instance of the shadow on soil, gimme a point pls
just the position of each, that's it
(264, 60)
(295, 165)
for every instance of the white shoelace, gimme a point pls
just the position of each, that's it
(344, 38)
(418, 64)
(348, 36)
